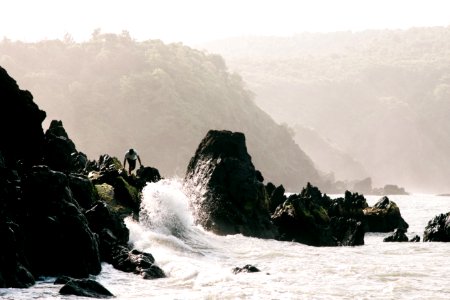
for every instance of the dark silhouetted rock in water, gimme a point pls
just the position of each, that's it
(304, 218)
(85, 288)
(384, 216)
(438, 229)
(246, 269)
(226, 194)
(397, 236)
(137, 262)
(415, 239)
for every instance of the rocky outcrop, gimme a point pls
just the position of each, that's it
(305, 218)
(226, 195)
(55, 222)
(438, 229)
(384, 216)
(85, 288)
(20, 125)
(137, 262)
(399, 235)
(276, 196)
(52, 219)
(246, 269)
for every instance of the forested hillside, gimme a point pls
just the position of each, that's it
(113, 93)
(382, 97)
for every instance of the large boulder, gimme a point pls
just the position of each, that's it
(384, 216)
(399, 235)
(58, 240)
(225, 193)
(85, 288)
(438, 229)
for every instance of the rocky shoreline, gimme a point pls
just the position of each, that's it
(62, 215)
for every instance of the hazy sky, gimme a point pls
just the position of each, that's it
(192, 21)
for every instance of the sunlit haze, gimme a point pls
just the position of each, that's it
(197, 21)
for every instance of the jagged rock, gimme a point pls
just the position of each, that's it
(147, 174)
(304, 218)
(83, 190)
(85, 288)
(276, 196)
(110, 228)
(246, 269)
(351, 206)
(22, 136)
(126, 189)
(415, 239)
(137, 262)
(43, 231)
(397, 236)
(226, 195)
(438, 229)
(58, 240)
(58, 148)
(384, 216)
(347, 231)
(301, 218)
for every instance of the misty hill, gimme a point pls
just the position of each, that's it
(382, 97)
(328, 156)
(113, 93)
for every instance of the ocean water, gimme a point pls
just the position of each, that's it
(199, 264)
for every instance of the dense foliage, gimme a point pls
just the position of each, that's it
(383, 97)
(113, 93)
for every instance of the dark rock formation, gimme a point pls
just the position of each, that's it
(304, 218)
(51, 219)
(85, 288)
(415, 239)
(397, 236)
(347, 231)
(22, 136)
(226, 195)
(384, 216)
(55, 222)
(246, 269)
(147, 174)
(438, 229)
(59, 150)
(276, 196)
(137, 262)
(351, 206)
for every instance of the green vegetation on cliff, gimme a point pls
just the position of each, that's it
(114, 93)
